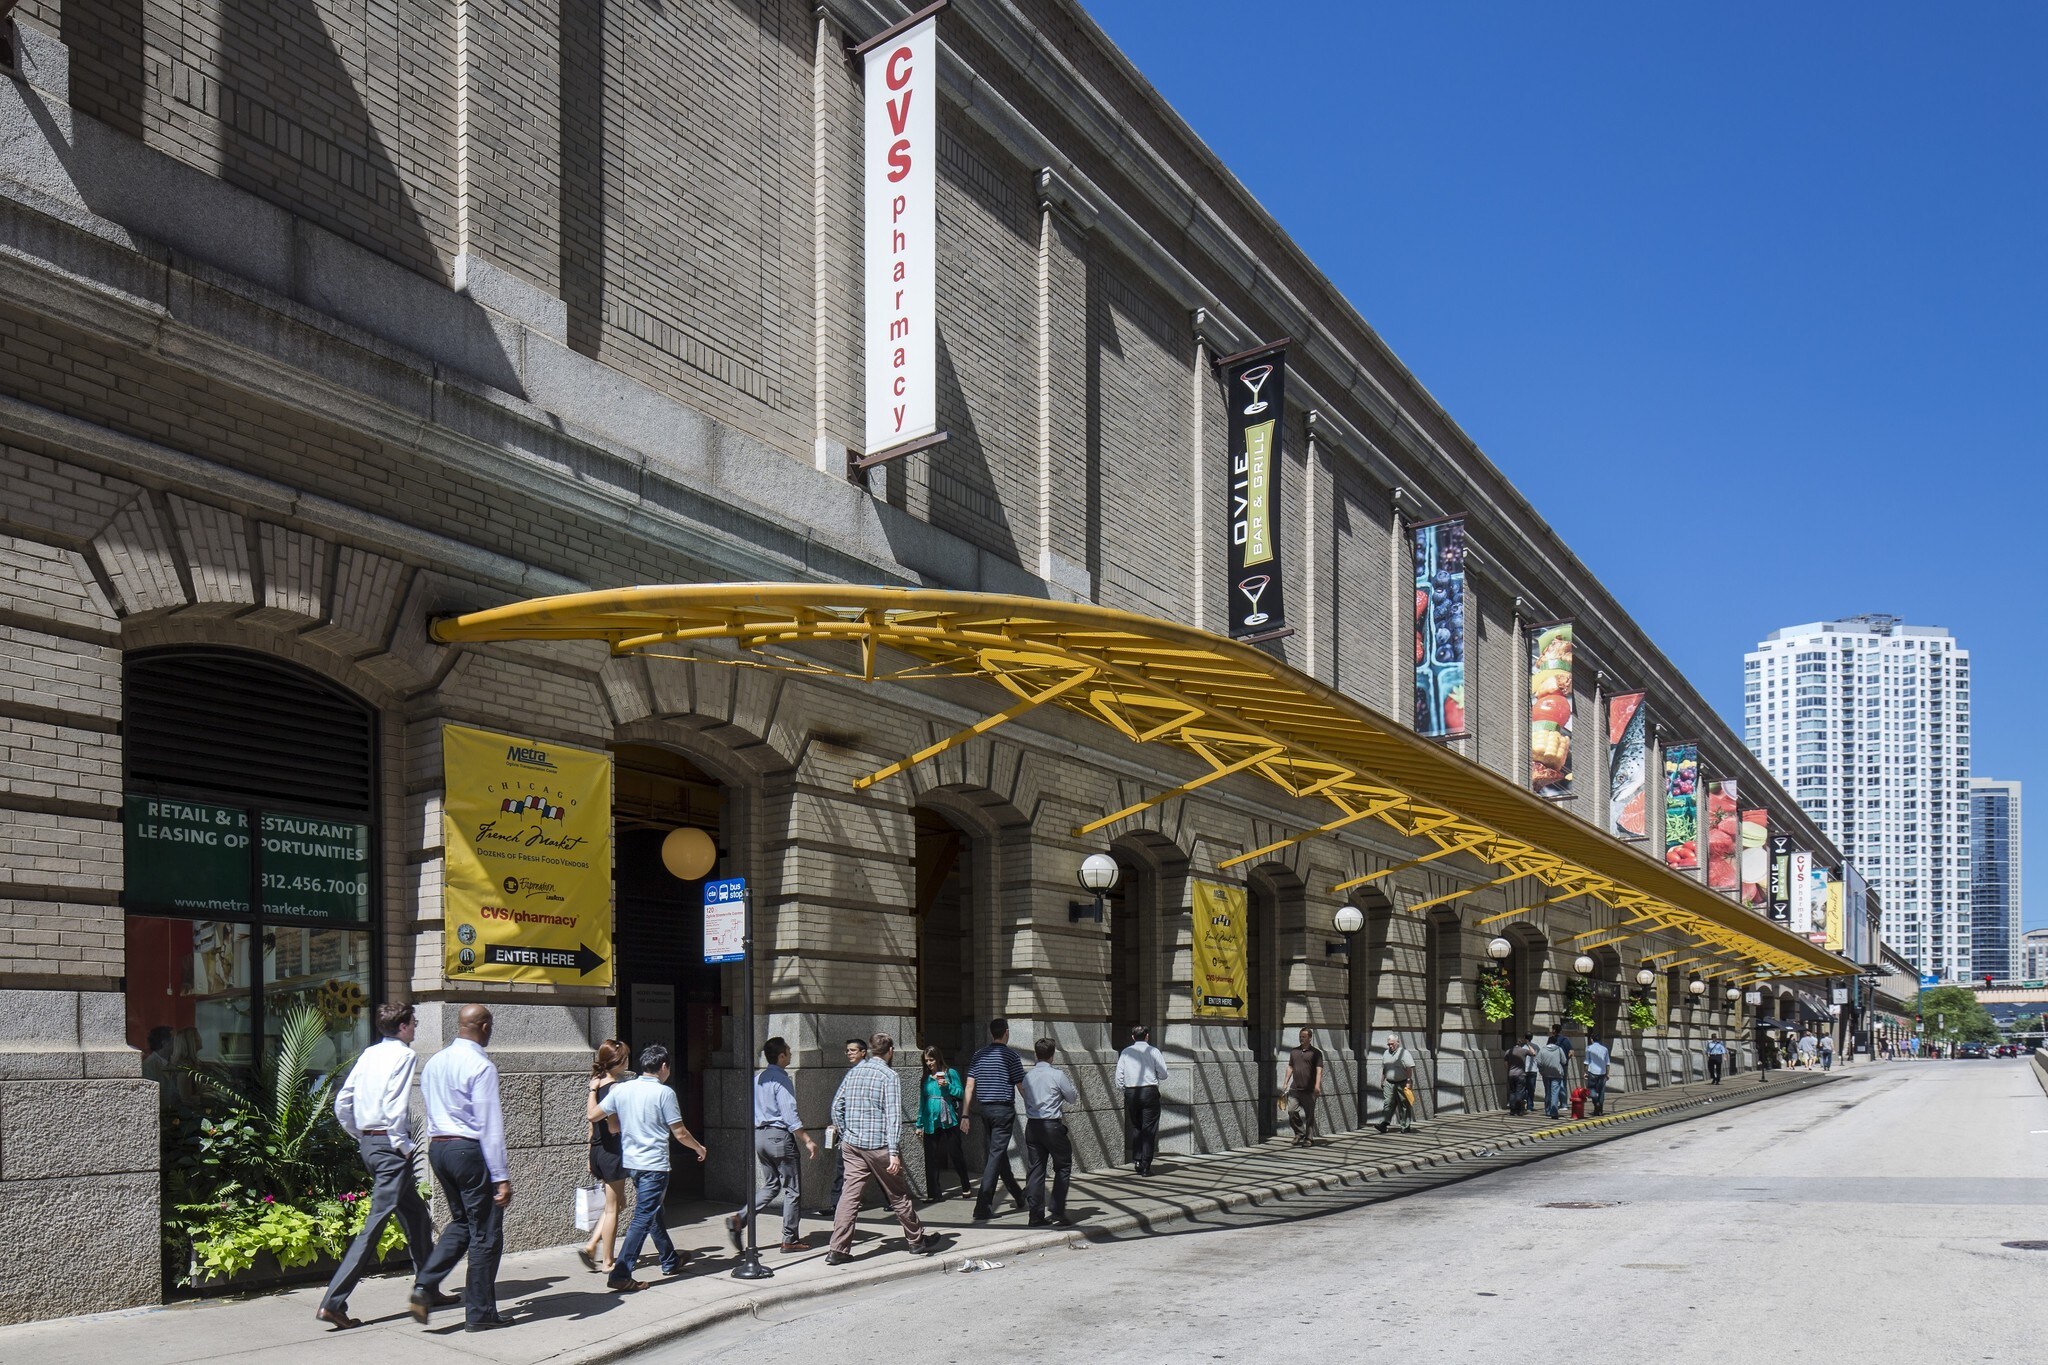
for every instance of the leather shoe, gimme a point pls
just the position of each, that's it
(732, 1233)
(837, 1258)
(793, 1247)
(421, 1302)
(440, 1300)
(486, 1324)
(337, 1318)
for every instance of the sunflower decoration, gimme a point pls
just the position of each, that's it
(341, 1002)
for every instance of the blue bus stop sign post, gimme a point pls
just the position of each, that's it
(728, 936)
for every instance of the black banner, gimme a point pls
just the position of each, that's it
(1255, 388)
(1781, 879)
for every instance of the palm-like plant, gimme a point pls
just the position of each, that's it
(275, 1132)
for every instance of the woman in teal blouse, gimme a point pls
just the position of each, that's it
(938, 1118)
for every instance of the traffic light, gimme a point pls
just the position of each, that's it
(1987, 981)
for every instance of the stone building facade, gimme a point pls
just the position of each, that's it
(319, 320)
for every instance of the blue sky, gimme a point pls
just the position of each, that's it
(1775, 269)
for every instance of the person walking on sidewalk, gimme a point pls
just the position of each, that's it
(1047, 1092)
(1397, 1076)
(992, 1077)
(1597, 1059)
(856, 1053)
(868, 1112)
(1140, 1071)
(607, 1165)
(1717, 1058)
(466, 1149)
(1521, 1075)
(1304, 1088)
(777, 1131)
(1552, 1060)
(1827, 1053)
(648, 1116)
(372, 1107)
(938, 1119)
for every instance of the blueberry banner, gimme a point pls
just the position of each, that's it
(1440, 628)
(1550, 709)
(1628, 766)
(1255, 389)
(1682, 806)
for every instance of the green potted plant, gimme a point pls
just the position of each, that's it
(1642, 1013)
(1578, 1002)
(1496, 1001)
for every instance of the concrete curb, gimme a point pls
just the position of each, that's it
(1592, 1131)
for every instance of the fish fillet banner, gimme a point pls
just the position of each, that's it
(1439, 627)
(527, 828)
(1550, 709)
(1628, 765)
(1724, 835)
(1219, 943)
(1682, 807)
(1255, 389)
(899, 176)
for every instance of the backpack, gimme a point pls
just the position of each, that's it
(1550, 1060)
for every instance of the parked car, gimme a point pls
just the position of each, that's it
(1969, 1050)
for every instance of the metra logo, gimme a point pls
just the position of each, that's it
(528, 758)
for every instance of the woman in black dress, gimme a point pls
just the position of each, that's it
(606, 1165)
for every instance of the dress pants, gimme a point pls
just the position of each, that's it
(650, 1188)
(943, 1149)
(1141, 1125)
(1714, 1068)
(1047, 1140)
(1596, 1091)
(475, 1225)
(998, 1121)
(861, 1165)
(775, 1150)
(393, 1194)
(1301, 1114)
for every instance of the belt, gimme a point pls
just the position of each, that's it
(1057, 1118)
(451, 1137)
(376, 1132)
(778, 1127)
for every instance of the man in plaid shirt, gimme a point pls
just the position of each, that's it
(868, 1114)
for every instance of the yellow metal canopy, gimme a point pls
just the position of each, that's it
(1235, 708)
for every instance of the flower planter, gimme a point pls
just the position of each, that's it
(266, 1274)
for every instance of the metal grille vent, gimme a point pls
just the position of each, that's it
(246, 727)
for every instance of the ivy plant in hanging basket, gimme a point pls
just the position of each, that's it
(1642, 1013)
(1496, 1001)
(1578, 1002)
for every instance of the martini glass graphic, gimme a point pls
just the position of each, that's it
(1253, 589)
(1255, 379)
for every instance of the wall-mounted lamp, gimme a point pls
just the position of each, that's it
(1098, 874)
(1583, 965)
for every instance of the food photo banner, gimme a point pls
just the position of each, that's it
(1723, 835)
(1255, 388)
(1440, 627)
(1550, 709)
(1628, 765)
(1682, 807)
(1754, 865)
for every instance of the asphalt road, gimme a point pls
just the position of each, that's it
(1860, 1222)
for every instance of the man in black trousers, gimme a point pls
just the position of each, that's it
(466, 1120)
(1140, 1071)
(993, 1075)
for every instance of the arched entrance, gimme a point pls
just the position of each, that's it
(1367, 970)
(1525, 981)
(946, 878)
(1150, 887)
(666, 993)
(1607, 988)
(1272, 892)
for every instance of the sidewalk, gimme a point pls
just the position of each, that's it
(566, 1317)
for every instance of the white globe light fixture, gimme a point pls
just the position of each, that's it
(1696, 986)
(1583, 965)
(1734, 993)
(1098, 874)
(1349, 919)
(1646, 977)
(1499, 948)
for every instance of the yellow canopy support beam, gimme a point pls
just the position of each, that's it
(980, 727)
(1468, 891)
(1465, 847)
(1331, 827)
(1221, 770)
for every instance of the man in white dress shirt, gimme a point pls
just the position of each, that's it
(466, 1129)
(1140, 1071)
(373, 1109)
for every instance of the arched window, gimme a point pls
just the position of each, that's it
(251, 861)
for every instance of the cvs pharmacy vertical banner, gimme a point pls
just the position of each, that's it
(1255, 390)
(899, 167)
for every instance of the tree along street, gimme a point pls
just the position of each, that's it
(1861, 1221)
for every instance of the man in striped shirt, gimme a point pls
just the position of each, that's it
(992, 1076)
(868, 1112)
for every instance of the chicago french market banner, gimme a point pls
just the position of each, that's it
(1440, 627)
(898, 173)
(1255, 388)
(1682, 806)
(1220, 972)
(1628, 766)
(526, 828)
(1724, 834)
(1550, 709)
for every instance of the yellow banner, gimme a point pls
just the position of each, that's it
(527, 828)
(1837, 940)
(1220, 933)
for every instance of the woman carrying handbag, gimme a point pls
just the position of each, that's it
(938, 1118)
(607, 1165)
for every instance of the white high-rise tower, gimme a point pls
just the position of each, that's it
(1866, 721)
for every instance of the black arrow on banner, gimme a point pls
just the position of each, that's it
(582, 960)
